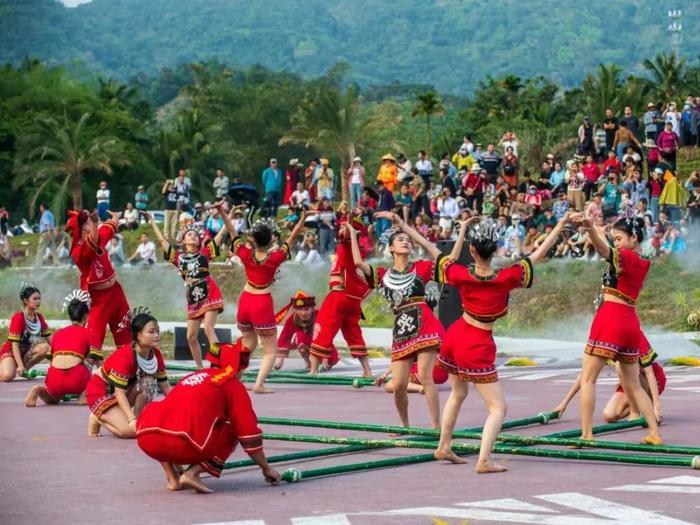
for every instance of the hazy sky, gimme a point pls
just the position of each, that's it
(73, 3)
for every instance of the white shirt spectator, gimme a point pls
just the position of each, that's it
(300, 198)
(424, 167)
(448, 208)
(102, 195)
(131, 216)
(146, 252)
(513, 144)
(220, 185)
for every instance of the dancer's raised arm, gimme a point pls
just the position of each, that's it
(156, 231)
(297, 229)
(416, 237)
(459, 243)
(356, 254)
(599, 243)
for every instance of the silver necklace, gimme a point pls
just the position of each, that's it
(398, 285)
(148, 366)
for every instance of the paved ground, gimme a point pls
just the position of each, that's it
(52, 472)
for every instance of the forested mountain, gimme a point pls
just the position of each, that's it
(448, 43)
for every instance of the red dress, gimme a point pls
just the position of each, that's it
(296, 335)
(291, 177)
(439, 374)
(200, 421)
(72, 340)
(201, 291)
(469, 351)
(108, 306)
(615, 332)
(26, 334)
(647, 358)
(416, 328)
(119, 370)
(341, 310)
(256, 311)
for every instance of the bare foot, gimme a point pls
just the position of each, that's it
(367, 374)
(193, 482)
(32, 397)
(262, 390)
(489, 468)
(94, 426)
(174, 484)
(448, 456)
(651, 440)
(422, 391)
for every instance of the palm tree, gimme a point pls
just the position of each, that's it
(333, 121)
(59, 153)
(667, 72)
(427, 105)
(602, 91)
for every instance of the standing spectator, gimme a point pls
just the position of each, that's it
(591, 174)
(324, 180)
(115, 250)
(404, 167)
(448, 210)
(462, 159)
(587, 138)
(47, 225)
(673, 197)
(673, 117)
(326, 227)
(668, 144)
(385, 203)
(145, 252)
(624, 139)
(170, 212)
(141, 198)
(424, 167)
(103, 201)
(404, 203)
(689, 130)
(612, 196)
(612, 163)
(183, 187)
(490, 161)
(610, 125)
(574, 184)
(656, 186)
(356, 180)
(651, 121)
(220, 184)
(631, 122)
(213, 222)
(291, 177)
(511, 164)
(131, 218)
(309, 173)
(653, 156)
(693, 206)
(473, 183)
(509, 140)
(272, 183)
(421, 201)
(447, 183)
(388, 173)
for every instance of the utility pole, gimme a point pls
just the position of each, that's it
(675, 29)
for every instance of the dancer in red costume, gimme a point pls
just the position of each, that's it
(226, 352)
(199, 424)
(468, 350)
(615, 333)
(256, 313)
(652, 378)
(298, 330)
(97, 277)
(417, 332)
(23, 348)
(71, 360)
(341, 310)
(127, 380)
(204, 299)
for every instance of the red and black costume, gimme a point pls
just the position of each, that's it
(72, 340)
(201, 291)
(24, 332)
(108, 305)
(256, 311)
(200, 421)
(440, 375)
(119, 370)
(416, 329)
(615, 332)
(298, 334)
(647, 358)
(341, 310)
(467, 350)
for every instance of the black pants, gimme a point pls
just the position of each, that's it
(421, 204)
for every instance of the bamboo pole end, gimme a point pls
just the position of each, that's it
(696, 463)
(291, 475)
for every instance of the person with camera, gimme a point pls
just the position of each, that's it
(170, 213)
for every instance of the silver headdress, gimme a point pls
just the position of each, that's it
(139, 310)
(484, 231)
(265, 222)
(23, 286)
(384, 238)
(80, 295)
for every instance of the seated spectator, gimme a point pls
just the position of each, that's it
(611, 164)
(557, 178)
(594, 209)
(213, 223)
(513, 238)
(145, 253)
(421, 226)
(534, 199)
(131, 217)
(545, 218)
(404, 203)
(300, 198)
(115, 250)
(530, 237)
(522, 209)
(448, 210)
(200, 215)
(632, 155)
(308, 251)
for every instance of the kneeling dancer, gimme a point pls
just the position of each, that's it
(468, 350)
(127, 380)
(199, 424)
(70, 356)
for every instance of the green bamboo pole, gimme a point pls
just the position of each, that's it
(636, 459)
(33, 373)
(541, 418)
(293, 474)
(304, 454)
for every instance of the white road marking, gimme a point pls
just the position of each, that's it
(330, 519)
(244, 522)
(678, 480)
(680, 489)
(507, 504)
